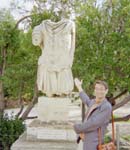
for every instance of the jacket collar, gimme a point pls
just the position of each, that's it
(94, 106)
(104, 101)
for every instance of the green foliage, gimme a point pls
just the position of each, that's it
(54, 10)
(38, 18)
(107, 139)
(126, 137)
(102, 45)
(8, 34)
(10, 130)
(22, 68)
(21, 60)
(6, 25)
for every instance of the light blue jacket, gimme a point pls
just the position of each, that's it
(99, 117)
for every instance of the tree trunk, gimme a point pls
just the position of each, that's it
(21, 105)
(123, 102)
(124, 118)
(2, 106)
(2, 69)
(31, 105)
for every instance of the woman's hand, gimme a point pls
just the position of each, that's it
(82, 136)
(78, 84)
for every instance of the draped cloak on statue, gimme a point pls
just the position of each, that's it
(57, 41)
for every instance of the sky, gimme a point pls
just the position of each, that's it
(17, 16)
(27, 6)
(5, 3)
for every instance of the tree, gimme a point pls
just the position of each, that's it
(8, 44)
(102, 47)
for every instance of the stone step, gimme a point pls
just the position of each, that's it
(23, 144)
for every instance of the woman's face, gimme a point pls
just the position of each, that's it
(100, 91)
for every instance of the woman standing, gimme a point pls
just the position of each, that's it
(98, 115)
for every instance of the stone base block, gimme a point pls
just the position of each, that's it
(50, 109)
(23, 144)
(51, 131)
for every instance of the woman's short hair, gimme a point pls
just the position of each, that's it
(102, 83)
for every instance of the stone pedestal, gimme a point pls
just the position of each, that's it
(51, 130)
(56, 109)
(23, 144)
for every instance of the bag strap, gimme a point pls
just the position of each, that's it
(99, 136)
(113, 132)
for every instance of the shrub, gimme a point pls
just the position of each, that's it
(10, 130)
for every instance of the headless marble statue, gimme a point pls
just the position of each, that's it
(57, 41)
